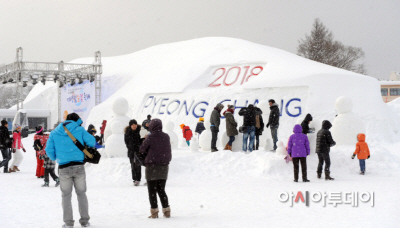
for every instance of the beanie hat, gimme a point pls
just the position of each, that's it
(201, 119)
(132, 122)
(73, 116)
(182, 126)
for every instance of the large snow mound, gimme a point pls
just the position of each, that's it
(182, 72)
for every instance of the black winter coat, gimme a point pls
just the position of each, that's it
(133, 140)
(200, 127)
(305, 124)
(249, 116)
(4, 138)
(324, 138)
(273, 120)
(157, 146)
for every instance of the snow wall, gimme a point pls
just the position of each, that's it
(182, 81)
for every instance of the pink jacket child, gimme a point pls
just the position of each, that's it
(17, 146)
(17, 143)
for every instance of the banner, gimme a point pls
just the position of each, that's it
(79, 98)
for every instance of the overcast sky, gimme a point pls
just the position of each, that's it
(50, 30)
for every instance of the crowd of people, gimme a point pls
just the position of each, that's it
(153, 151)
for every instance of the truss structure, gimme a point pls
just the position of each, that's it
(21, 73)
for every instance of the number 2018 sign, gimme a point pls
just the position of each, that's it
(233, 75)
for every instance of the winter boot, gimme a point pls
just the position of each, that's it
(57, 182)
(85, 225)
(319, 175)
(305, 180)
(328, 177)
(295, 180)
(214, 150)
(46, 184)
(11, 170)
(65, 226)
(16, 168)
(136, 183)
(230, 148)
(154, 213)
(362, 173)
(226, 147)
(167, 212)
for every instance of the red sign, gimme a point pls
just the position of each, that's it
(231, 76)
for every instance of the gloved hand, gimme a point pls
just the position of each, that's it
(24, 150)
(352, 157)
(267, 125)
(14, 150)
(368, 156)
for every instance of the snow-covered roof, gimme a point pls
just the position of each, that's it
(389, 82)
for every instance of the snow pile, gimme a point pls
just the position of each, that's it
(171, 82)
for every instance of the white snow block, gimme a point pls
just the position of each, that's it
(347, 125)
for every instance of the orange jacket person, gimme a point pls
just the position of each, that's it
(362, 152)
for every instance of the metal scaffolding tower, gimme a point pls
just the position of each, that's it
(21, 73)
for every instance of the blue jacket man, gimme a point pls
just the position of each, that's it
(61, 148)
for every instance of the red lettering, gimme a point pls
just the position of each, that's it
(252, 72)
(237, 76)
(299, 195)
(244, 76)
(216, 85)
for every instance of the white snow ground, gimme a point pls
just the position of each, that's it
(205, 189)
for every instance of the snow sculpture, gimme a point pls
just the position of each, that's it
(173, 137)
(347, 125)
(120, 107)
(194, 144)
(268, 144)
(205, 137)
(281, 150)
(115, 145)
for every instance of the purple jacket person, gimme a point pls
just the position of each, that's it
(298, 149)
(298, 145)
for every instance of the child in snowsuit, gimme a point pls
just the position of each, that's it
(362, 152)
(49, 166)
(39, 140)
(200, 126)
(299, 149)
(187, 133)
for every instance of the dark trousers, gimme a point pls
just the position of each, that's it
(6, 153)
(324, 157)
(257, 141)
(52, 174)
(303, 162)
(157, 187)
(214, 138)
(136, 169)
(274, 134)
(231, 140)
(102, 138)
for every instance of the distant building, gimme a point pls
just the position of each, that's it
(394, 76)
(390, 90)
